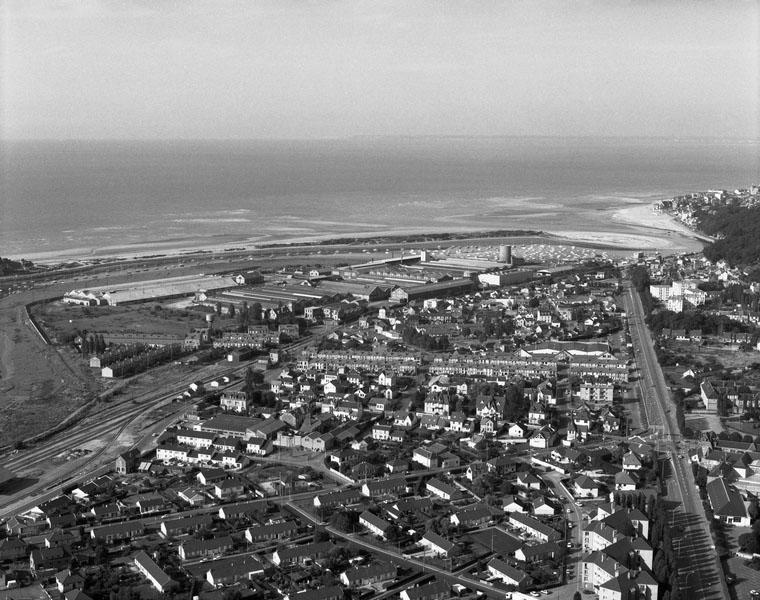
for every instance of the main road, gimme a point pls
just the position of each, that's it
(699, 572)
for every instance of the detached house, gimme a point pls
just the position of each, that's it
(727, 504)
(585, 487)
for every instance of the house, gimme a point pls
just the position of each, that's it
(475, 515)
(150, 503)
(624, 481)
(239, 510)
(436, 590)
(12, 548)
(442, 489)
(196, 439)
(194, 548)
(508, 574)
(120, 531)
(437, 544)
(528, 480)
(273, 531)
(398, 465)
(127, 462)
(475, 470)
(533, 527)
(363, 576)
(235, 400)
(534, 552)
(631, 462)
(172, 452)
(226, 571)
(426, 457)
(543, 438)
(461, 423)
(67, 580)
(374, 523)
(585, 487)
(299, 554)
(174, 527)
(537, 414)
(102, 512)
(385, 487)
(211, 476)
(259, 446)
(48, 558)
(540, 507)
(228, 488)
(501, 465)
(155, 574)
(727, 504)
(339, 498)
(193, 496)
(381, 433)
(511, 504)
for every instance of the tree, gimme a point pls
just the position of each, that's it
(752, 509)
(320, 535)
(249, 386)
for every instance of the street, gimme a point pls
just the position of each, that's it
(699, 573)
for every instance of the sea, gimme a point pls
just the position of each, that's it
(92, 198)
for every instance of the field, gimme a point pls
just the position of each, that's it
(62, 321)
(38, 385)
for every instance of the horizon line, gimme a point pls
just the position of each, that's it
(671, 138)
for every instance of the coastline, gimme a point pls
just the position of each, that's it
(639, 227)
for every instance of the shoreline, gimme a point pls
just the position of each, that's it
(642, 229)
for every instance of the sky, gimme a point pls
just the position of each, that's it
(241, 69)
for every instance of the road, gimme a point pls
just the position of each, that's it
(699, 573)
(413, 563)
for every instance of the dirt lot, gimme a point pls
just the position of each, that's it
(711, 358)
(62, 320)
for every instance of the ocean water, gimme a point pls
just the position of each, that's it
(94, 197)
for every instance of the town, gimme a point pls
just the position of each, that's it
(500, 420)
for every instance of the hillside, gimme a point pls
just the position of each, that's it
(739, 233)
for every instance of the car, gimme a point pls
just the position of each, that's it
(578, 504)
(535, 594)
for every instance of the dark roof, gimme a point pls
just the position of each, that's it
(726, 501)
(156, 572)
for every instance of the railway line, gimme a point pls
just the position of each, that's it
(102, 428)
